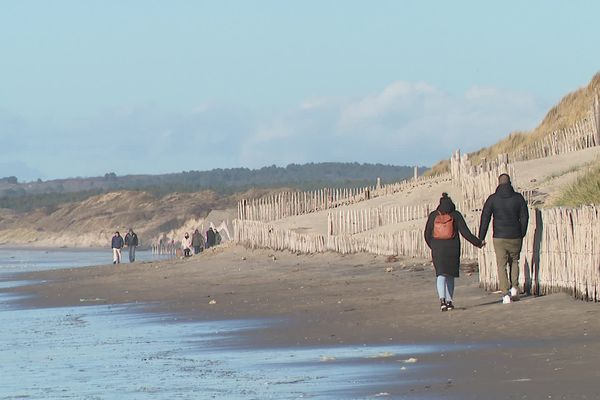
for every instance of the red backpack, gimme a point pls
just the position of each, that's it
(443, 226)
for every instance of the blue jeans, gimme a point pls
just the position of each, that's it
(131, 253)
(445, 287)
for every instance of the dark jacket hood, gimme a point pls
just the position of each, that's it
(446, 205)
(505, 190)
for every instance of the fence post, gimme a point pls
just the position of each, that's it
(597, 120)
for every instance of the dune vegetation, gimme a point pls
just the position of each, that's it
(572, 108)
(584, 191)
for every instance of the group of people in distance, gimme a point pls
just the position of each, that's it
(197, 242)
(117, 243)
(510, 216)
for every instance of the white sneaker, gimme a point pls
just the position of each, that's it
(514, 294)
(506, 299)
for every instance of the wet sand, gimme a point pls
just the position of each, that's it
(535, 348)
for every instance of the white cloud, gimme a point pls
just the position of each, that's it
(404, 123)
(399, 97)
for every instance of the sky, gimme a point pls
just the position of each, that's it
(148, 87)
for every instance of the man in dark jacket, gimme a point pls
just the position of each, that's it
(117, 245)
(511, 217)
(131, 241)
(197, 241)
(210, 237)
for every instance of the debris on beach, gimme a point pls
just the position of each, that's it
(391, 259)
(390, 269)
(213, 301)
(385, 354)
(91, 300)
(411, 360)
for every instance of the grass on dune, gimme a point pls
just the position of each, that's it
(584, 191)
(572, 108)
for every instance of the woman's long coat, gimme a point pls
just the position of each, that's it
(446, 252)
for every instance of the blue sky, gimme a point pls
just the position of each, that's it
(89, 87)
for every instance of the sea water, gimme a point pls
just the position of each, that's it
(34, 259)
(121, 352)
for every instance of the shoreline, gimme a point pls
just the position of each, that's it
(69, 248)
(326, 288)
(331, 300)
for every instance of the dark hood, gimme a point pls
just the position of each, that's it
(505, 190)
(446, 205)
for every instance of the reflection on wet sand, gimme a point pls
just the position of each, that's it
(99, 352)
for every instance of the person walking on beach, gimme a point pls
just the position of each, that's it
(442, 236)
(511, 217)
(197, 241)
(186, 245)
(131, 242)
(210, 237)
(117, 245)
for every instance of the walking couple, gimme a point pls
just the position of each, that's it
(510, 218)
(117, 243)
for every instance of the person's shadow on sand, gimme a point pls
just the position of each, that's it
(526, 297)
(531, 283)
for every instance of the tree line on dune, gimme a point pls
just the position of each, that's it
(31, 195)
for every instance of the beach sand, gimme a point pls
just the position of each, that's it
(539, 347)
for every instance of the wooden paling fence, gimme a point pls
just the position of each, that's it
(403, 186)
(582, 135)
(256, 234)
(408, 243)
(478, 182)
(288, 204)
(350, 222)
(561, 253)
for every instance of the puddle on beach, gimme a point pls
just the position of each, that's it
(110, 352)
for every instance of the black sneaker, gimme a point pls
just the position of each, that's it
(449, 306)
(443, 305)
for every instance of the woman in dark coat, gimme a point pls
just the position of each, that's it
(445, 252)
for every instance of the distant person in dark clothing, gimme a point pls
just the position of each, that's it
(442, 236)
(131, 242)
(197, 241)
(511, 217)
(117, 245)
(210, 237)
(217, 237)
